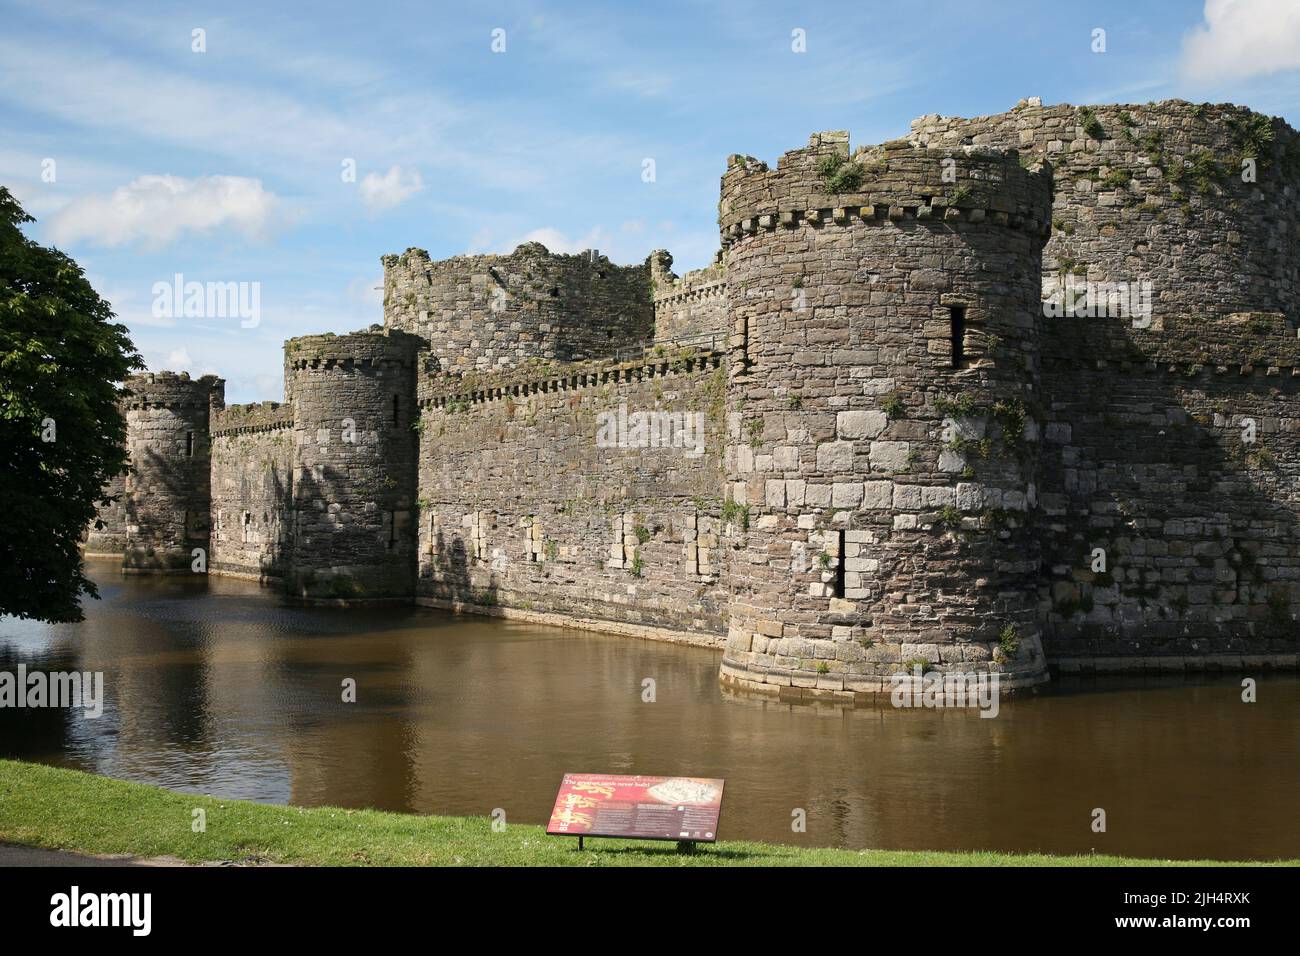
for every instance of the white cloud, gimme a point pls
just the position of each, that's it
(553, 239)
(157, 210)
(391, 189)
(1242, 38)
(177, 360)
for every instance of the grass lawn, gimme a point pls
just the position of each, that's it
(66, 809)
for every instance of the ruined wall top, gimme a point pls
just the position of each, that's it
(826, 182)
(689, 306)
(1200, 200)
(174, 390)
(372, 346)
(253, 417)
(486, 311)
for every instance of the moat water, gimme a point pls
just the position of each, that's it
(214, 686)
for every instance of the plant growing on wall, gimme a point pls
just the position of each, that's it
(733, 513)
(949, 517)
(839, 174)
(1011, 415)
(892, 404)
(1091, 124)
(963, 407)
(1252, 135)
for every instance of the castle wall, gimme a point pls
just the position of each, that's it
(887, 463)
(905, 458)
(693, 306)
(493, 311)
(1147, 456)
(252, 477)
(1155, 192)
(109, 539)
(168, 490)
(521, 507)
(353, 488)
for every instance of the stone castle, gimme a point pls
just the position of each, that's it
(914, 451)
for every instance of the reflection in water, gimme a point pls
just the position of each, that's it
(213, 686)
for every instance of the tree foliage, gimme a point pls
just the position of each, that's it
(62, 358)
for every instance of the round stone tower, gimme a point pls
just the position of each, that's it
(354, 482)
(167, 492)
(479, 313)
(882, 415)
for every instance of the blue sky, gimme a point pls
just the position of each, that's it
(227, 165)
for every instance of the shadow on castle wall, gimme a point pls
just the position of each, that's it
(172, 517)
(324, 561)
(452, 579)
(1199, 527)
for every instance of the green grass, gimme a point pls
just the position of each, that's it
(70, 810)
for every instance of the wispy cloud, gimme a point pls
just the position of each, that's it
(157, 210)
(391, 189)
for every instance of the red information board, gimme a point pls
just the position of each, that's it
(638, 808)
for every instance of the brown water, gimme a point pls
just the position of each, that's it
(215, 687)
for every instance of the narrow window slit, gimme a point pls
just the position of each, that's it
(839, 565)
(957, 316)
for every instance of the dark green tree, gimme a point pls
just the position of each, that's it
(62, 434)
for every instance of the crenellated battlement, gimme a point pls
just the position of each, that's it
(696, 303)
(825, 184)
(173, 390)
(372, 347)
(253, 417)
(456, 391)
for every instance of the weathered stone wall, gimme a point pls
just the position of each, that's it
(109, 538)
(1155, 192)
(1144, 457)
(353, 490)
(1150, 457)
(522, 506)
(167, 490)
(886, 462)
(493, 311)
(689, 307)
(252, 478)
(905, 458)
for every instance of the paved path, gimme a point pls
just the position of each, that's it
(12, 855)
